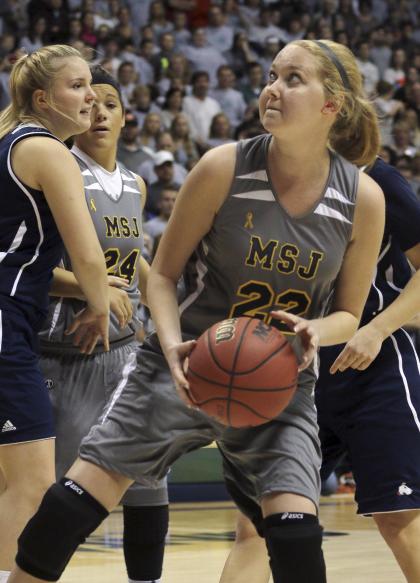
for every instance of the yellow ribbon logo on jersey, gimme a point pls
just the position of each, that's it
(248, 222)
(92, 205)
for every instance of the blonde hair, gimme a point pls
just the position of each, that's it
(29, 73)
(355, 134)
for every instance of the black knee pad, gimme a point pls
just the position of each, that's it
(66, 516)
(294, 543)
(145, 529)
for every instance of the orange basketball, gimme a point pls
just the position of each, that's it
(242, 372)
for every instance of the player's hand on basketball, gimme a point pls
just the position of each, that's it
(177, 357)
(360, 351)
(305, 330)
(88, 327)
(115, 281)
(120, 305)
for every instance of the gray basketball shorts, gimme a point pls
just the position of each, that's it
(147, 427)
(80, 388)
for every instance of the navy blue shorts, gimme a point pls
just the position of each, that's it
(25, 408)
(374, 416)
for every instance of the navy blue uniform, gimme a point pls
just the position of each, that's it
(30, 248)
(374, 414)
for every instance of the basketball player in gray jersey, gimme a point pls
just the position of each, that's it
(277, 228)
(80, 386)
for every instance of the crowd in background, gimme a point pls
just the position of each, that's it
(191, 70)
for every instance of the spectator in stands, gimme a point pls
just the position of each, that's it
(295, 29)
(152, 126)
(241, 54)
(161, 60)
(395, 74)
(200, 108)
(258, 34)
(368, 69)
(181, 33)
(411, 117)
(402, 142)
(57, 19)
(387, 108)
(35, 38)
(130, 151)
(202, 56)
(147, 169)
(253, 82)
(88, 35)
(220, 131)
(230, 99)
(155, 226)
(380, 51)
(176, 75)
(142, 62)
(412, 77)
(185, 150)
(111, 53)
(171, 106)
(219, 34)
(142, 103)
(124, 28)
(157, 19)
(164, 168)
(127, 78)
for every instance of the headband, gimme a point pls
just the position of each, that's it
(338, 65)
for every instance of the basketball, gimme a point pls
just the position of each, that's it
(242, 372)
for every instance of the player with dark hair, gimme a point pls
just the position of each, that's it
(276, 222)
(81, 385)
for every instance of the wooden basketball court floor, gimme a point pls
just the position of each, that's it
(201, 535)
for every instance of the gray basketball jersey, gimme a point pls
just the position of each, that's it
(118, 224)
(257, 258)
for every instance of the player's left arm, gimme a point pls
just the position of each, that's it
(366, 344)
(403, 219)
(353, 281)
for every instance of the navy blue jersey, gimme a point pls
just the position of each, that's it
(30, 244)
(402, 232)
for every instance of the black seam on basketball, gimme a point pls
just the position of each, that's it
(274, 353)
(239, 403)
(216, 362)
(227, 371)
(236, 388)
(232, 373)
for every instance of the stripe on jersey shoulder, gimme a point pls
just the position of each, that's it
(127, 178)
(93, 186)
(326, 211)
(334, 194)
(263, 195)
(33, 204)
(16, 241)
(86, 172)
(403, 376)
(201, 272)
(256, 175)
(131, 189)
